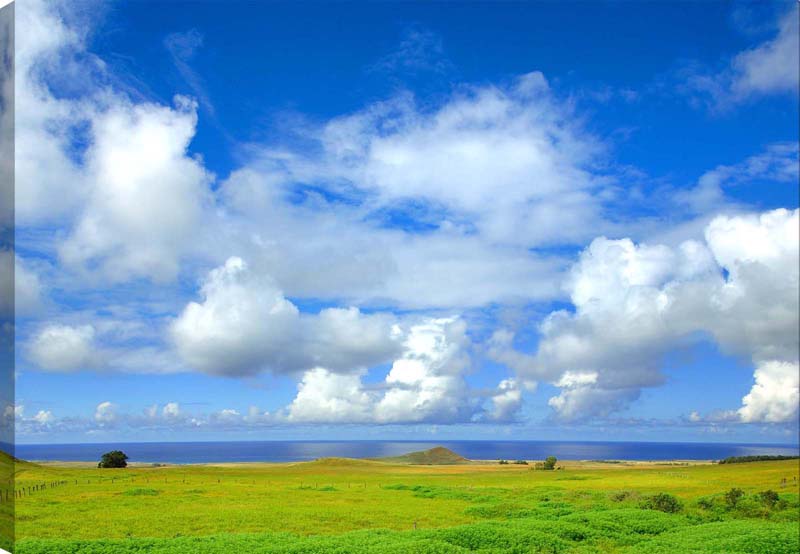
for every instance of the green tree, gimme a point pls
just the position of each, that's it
(115, 458)
(550, 462)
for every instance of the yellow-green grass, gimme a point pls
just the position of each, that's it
(7, 467)
(334, 496)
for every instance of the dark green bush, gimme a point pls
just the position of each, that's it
(706, 503)
(769, 498)
(663, 502)
(733, 496)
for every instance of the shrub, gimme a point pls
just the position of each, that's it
(503, 462)
(663, 502)
(619, 496)
(769, 498)
(521, 463)
(550, 462)
(706, 503)
(113, 459)
(733, 496)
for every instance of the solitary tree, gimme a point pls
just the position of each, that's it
(550, 462)
(115, 458)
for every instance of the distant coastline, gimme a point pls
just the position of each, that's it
(179, 453)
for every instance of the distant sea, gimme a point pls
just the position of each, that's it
(293, 451)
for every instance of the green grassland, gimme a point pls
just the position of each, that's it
(6, 502)
(344, 506)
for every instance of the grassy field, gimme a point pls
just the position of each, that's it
(340, 505)
(6, 502)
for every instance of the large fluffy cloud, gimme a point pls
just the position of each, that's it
(634, 303)
(130, 196)
(774, 396)
(146, 194)
(323, 396)
(59, 347)
(425, 384)
(244, 325)
(405, 204)
(320, 249)
(44, 124)
(238, 326)
(506, 401)
(502, 158)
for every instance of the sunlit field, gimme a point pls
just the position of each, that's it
(6, 502)
(339, 505)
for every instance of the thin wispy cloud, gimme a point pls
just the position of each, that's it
(182, 48)
(420, 50)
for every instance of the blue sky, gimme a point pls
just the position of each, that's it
(399, 220)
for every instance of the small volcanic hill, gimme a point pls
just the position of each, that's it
(433, 456)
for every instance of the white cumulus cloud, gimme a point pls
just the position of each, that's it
(59, 347)
(506, 401)
(146, 194)
(43, 417)
(774, 396)
(171, 410)
(130, 198)
(244, 325)
(425, 384)
(633, 303)
(323, 396)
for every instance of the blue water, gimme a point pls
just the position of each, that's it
(291, 451)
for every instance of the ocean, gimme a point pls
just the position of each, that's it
(293, 451)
